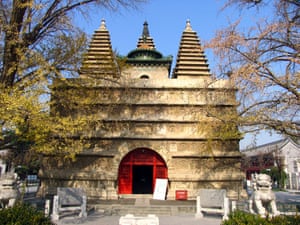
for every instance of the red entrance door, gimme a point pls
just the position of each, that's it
(138, 171)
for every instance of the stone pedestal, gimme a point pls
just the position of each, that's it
(130, 219)
(8, 190)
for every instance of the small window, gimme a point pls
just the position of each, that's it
(295, 166)
(144, 77)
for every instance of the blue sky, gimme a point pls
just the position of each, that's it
(166, 20)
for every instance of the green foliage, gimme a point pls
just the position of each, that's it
(242, 218)
(276, 174)
(22, 214)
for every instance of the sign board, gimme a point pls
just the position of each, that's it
(160, 189)
(212, 197)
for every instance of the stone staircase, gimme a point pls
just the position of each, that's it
(143, 205)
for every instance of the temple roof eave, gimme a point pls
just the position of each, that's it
(200, 83)
(137, 51)
(165, 60)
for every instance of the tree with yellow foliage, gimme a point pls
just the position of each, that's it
(263, 61)
(39, 43)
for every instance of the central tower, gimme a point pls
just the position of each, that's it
(145, 62)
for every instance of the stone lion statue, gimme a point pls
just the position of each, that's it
(9, 192)
(263, 197)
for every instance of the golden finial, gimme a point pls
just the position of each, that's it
(102, 26)
(188, 26)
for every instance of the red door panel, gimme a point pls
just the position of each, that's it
(161, 172)
(125, 176)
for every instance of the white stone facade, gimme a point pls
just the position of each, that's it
(289, 152)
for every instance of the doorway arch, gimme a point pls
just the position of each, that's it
(138, 171)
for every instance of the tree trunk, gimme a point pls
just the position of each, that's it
(13, 43)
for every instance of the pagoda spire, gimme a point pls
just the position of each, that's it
(145, 30)
(102, 25)
(188, 26)
(99, 60)
(146, 41)
(191, 60)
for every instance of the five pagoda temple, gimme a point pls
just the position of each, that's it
(149, 122)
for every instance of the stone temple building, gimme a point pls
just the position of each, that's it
(149, 121)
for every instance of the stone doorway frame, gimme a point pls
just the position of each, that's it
(142, 157)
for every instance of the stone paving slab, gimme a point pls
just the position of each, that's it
(101, 219)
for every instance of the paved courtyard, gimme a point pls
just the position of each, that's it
(100, 219)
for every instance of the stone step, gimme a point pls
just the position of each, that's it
(143, 207)
(143, 211)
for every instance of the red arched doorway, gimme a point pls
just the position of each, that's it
(138, 171)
